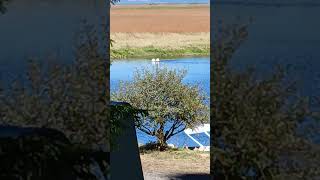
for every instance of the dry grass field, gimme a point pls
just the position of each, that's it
(160, 40)
(162, 45)
(160, 30)
(164, 165)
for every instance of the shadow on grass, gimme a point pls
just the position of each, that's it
(191, 177)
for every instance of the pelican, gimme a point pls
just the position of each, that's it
(157, 59)
(153, 60)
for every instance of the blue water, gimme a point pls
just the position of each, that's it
(162, 1)
(198, 72)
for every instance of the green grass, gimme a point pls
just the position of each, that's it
(151, 150)
(155, 52)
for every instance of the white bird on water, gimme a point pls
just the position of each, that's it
(153, 60)
(157, 59)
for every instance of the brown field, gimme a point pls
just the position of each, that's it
(160, 18)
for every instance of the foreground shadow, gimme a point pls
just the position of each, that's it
(190, 177)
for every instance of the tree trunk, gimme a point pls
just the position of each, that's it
(162, 141)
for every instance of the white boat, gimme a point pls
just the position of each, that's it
(198, 130)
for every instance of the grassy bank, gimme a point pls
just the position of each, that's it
(153, 52)
(159, 45)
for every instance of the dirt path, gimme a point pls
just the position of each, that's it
(160, 18)
(179, 165)
(158, 176)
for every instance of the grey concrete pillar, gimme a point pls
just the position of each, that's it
(125, 159)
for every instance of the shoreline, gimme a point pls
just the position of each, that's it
(147, 53)
(164, 59)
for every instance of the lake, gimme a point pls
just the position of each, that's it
(198, 71)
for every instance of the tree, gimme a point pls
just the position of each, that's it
(65, 96)
(254, 121)
(172, 105)
(72, 98)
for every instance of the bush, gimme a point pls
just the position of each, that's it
(254, 130)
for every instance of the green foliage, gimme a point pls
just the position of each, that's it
(118, 113)
(148, 52)
(167, 99)
(254, 128)
(72, 98)
(150, 146)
